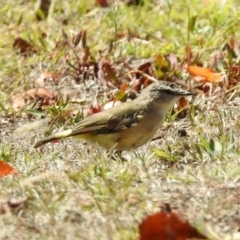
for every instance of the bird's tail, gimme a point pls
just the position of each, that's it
(54, 137)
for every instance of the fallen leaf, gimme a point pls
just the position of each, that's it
(205, 74)
(77, 38)
(6, 169)
(141, 80)
(182, 103)
(23, 47)
(108, 72)
(14, 205)
(18, 101)
(86, 50)
(40, 92)
(43, 10)
(102, 3)
(167, 225)
(40, 81)
(173, 61)
(21, 99)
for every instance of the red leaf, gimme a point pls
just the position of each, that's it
(167, 225)
(6, 169)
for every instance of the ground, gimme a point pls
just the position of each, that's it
(72, 190)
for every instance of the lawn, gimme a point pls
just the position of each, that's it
(81, 56)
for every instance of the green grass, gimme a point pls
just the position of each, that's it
(74, 190)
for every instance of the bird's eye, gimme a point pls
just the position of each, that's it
(168, 92)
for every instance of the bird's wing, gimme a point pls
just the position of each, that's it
(107, 122)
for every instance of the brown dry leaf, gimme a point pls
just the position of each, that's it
(42, 12)
(6, 169)
(84, 39)
(90, 111)
(172, 58)
(40, 81)
(86, 54)
(86, 112)
(136, 86)
(41, 93)
(207, 87)
(102, 3)
(145, 67)
(142, 80)
(127, 66)
(182, 103)
(167, 225)
(77, 38)
(23, 47)
(182, 107)
(16, 203)
(188, 54)
(13, 205)
(18, 101)
(215, 60)
(101, 76)
(86, 50)
(94, 108)
(234, 76)
(204, 74)
(21, 99)
(109, 72)
(231, 49)
(135, 2)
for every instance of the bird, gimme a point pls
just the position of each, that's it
(129, 125)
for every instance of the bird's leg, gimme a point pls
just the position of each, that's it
(116, 155)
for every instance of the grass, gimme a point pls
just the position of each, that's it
(74, 190)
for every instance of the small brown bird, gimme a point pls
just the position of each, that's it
(129, 125)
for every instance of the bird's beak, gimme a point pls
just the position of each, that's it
(183, 93)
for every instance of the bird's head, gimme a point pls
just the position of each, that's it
(165, 91)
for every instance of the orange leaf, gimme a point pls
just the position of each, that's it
(123, 87)
(6, 169)
(207, 74)
(167, 225)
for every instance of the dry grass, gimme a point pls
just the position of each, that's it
(75, 191)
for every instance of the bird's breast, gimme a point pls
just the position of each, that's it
(130, 138)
